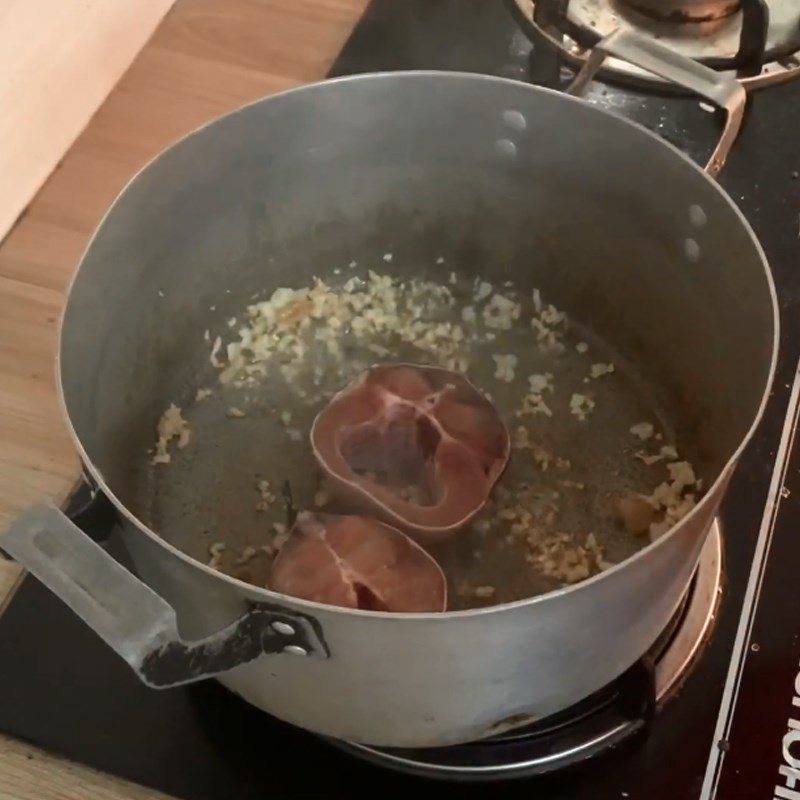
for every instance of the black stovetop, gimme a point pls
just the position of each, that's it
(63, 690)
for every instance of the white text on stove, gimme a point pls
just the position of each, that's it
(790, 769)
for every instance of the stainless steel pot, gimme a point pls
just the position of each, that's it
(614, 225)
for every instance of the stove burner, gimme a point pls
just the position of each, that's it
(759, 40)
(683, 11)
(583, 731)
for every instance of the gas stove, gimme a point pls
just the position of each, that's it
(758, 40)
(713, 710)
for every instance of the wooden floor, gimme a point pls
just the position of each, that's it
(206, 58)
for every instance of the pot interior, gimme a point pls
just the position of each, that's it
(485, 178)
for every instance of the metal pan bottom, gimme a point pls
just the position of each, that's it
(613, 714)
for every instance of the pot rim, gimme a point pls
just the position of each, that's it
(311, 607)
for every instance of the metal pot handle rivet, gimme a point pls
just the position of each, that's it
(283, 627)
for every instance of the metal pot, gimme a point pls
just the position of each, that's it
(614, 225)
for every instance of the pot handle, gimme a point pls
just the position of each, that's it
(721, 89)
(136, 622)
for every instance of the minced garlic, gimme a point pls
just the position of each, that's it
(482, 291)
(171, 425)
(267, 498)
(505, 366)
(581, 405)
(533, 404)
(541, 383)
(642, 430)
(671, 499)
(599, 370)
(500, 312)
(215, 551)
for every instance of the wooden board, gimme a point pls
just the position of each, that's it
(206, 58)
(10, 577)
(59, 60)
(29, 774)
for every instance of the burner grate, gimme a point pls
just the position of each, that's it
(760, 42)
